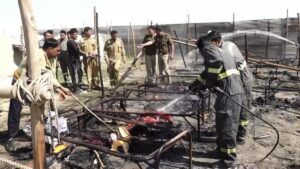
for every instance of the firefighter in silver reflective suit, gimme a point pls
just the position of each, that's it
(221, 71)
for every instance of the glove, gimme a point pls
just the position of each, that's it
(195, 85)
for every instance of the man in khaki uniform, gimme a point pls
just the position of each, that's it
(114, 53)
(47, 59)
(165, 51)
(88, 45)
(150, 55)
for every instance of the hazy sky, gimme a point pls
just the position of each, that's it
(78, 13)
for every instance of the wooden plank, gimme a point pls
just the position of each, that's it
(34, 71)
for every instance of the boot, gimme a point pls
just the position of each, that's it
(10, 145)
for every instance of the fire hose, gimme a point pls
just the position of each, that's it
(269, 124)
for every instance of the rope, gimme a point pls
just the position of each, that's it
(12, 163)
(33, 92)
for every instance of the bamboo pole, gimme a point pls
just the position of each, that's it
(246, 48)
(287, 30)
(5, 91)
(274, 64)
(98, 51)
(181, 51)
(133, 40)
(195, 30)
(233, 26)
(268, 39)
(34, 71)
(298, 17)
(128, 41)
(252, 59)
(188, 33)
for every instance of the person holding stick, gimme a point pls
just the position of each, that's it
(47, 58)
(88, 45)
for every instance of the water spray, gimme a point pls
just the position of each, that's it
(259, 32)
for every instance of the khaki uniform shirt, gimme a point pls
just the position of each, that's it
(163, 43)
(88, 45)
(45, 63)
(114, 50)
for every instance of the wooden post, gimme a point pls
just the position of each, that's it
(298, 17)
(196, 55)
(233, 26)
(268, 39)
(287, 30)
(195, 31)
(98, 51)
(188, 33)
(128, 41)
(133, 40)
(181, 51)
(34, 71)
(246, 48)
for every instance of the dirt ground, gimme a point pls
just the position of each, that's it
(286, 155)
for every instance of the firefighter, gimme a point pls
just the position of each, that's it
(246, 77)
(114, 53)
(221, 71)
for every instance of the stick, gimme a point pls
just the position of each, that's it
(133, 40)
(180, 49)
(127, 71)
(98, 51)
(92, 113)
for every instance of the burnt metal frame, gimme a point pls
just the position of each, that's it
(156, 155)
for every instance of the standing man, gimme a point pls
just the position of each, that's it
(114, 53)
(88, 45)
(165, 51)
(47, 59)
(47, 35)
(221, 71)
(246, 78)
(150, 55)
(74, 60)
(63, 57)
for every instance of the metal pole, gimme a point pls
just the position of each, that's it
(181, 51)
(99, 55)
(34, 71)
(268, 39)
